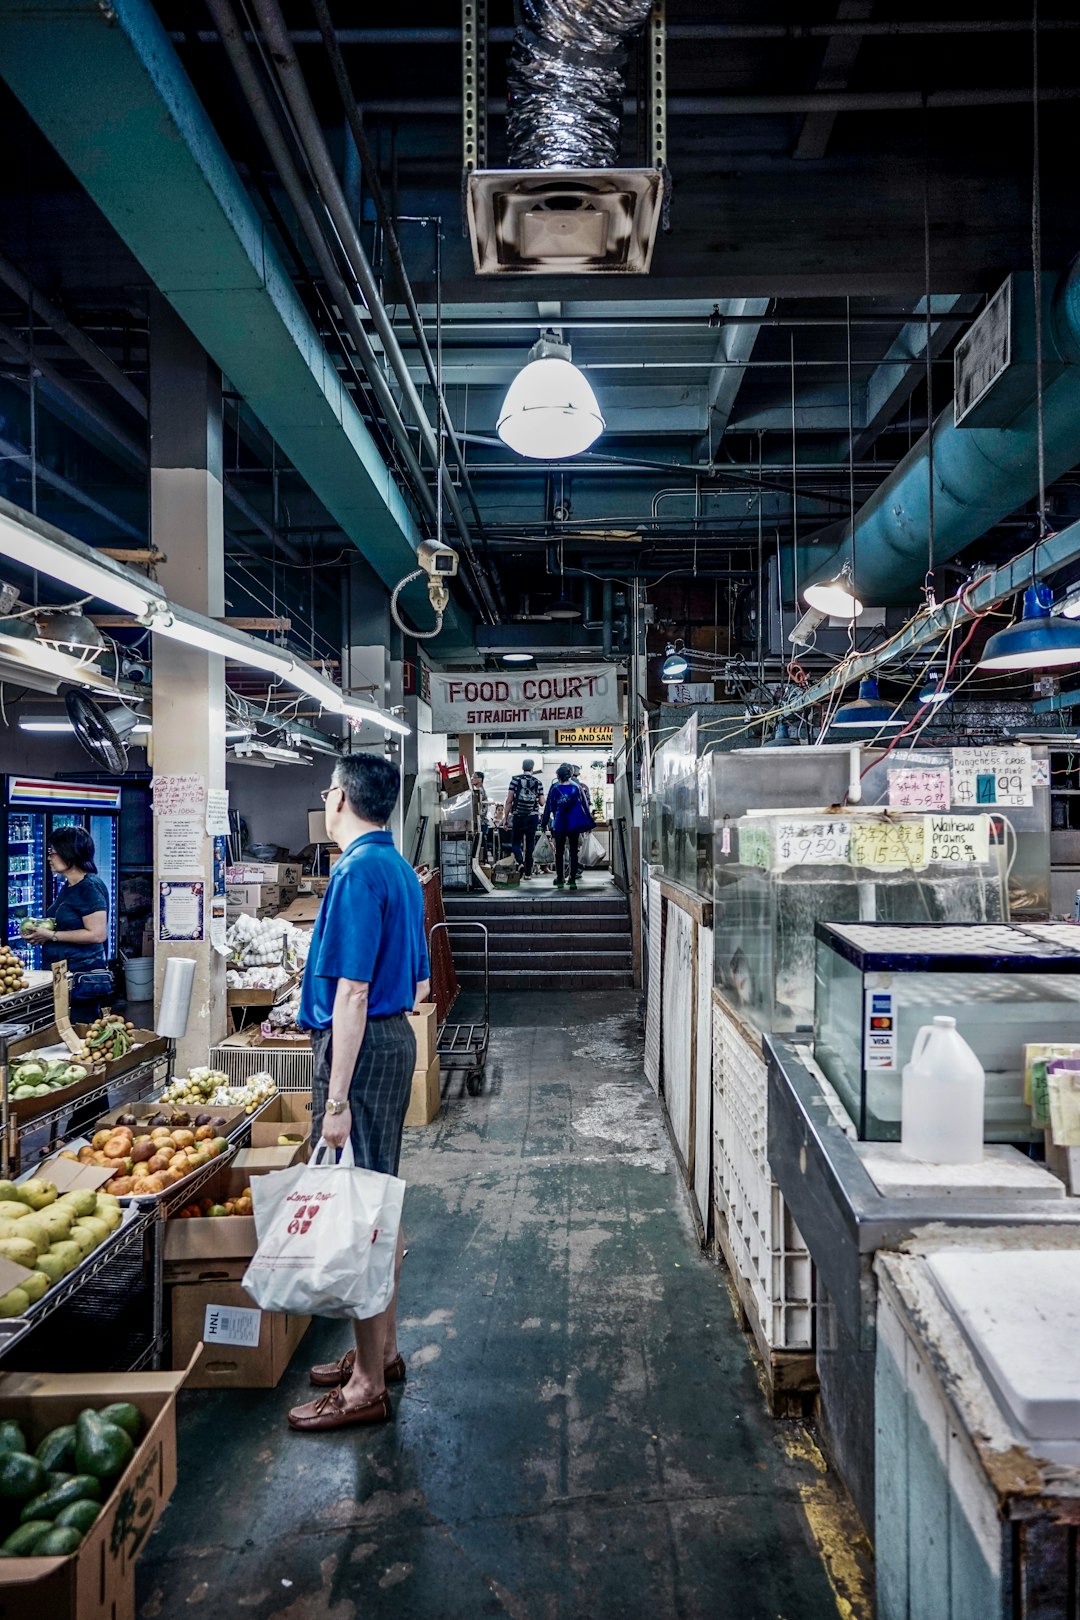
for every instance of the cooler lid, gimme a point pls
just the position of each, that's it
(1020, 1312)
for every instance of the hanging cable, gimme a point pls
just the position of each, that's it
(851, 470)
(794, 502)
(928, 583)
(1036, 266)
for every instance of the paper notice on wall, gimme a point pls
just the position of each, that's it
(889, 843)
(180, 841)
(218, 926)
(812, 841)
(992, 777)
(232, 1324)
(179, 795)
(1040, 773)
(958, 840)
(181, 911)
(919, 788)
(217, 812)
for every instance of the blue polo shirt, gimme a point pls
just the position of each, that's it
(370, 928)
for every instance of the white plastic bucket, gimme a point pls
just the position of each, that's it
(139, 978)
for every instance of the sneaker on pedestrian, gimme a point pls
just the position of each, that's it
(558, 884)
(572, 884)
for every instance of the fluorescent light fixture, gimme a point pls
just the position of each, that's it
(256, 752)
(550, 410)
(45, 725)
(807, 627)
(47, 666)
(518, 658)
(867, 712)
(675, 668)
(834, 597)
(1035, 640)
(26, 540)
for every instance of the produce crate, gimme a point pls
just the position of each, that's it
(239, 1058)
(762, 1245)
(241, 1347)
(98, 1581)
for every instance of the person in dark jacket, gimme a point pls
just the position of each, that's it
(80, 913)
(522, 813)
(567, 813)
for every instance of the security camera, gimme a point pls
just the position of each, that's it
(136, 670)
(436, 559)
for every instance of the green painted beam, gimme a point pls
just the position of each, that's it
(106, 87)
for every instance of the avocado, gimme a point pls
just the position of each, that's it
(20, 1476)
(21, 1542)
(79, 1488)
(58, 1542)
(101, 1448)
(125, 1416)
(80, 1514)
(57, 1449)
(11, 1436)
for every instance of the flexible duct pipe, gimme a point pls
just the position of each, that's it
(310, 135)
(980, 476)
(565, 100)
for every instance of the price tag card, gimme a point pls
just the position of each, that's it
(919, 788)
(813, 841)
(963, 840)
(755, 846)
(999, 777)
(232, 1324)
(889, 843)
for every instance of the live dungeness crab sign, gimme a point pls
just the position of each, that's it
(526, 700)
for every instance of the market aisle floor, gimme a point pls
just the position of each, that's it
(581, 1435)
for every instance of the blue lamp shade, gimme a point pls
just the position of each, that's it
(1034, 641)
(934, 689)
(675, 668)
(867, 712)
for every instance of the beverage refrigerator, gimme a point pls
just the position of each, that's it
(34, 808)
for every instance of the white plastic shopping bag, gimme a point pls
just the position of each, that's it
(327, 1238)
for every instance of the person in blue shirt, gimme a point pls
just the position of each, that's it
(81, 915)
(367, 968)
(567, 813)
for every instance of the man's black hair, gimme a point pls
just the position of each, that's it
(371, 785)
(74, 846)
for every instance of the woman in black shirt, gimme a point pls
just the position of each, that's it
(81, 913)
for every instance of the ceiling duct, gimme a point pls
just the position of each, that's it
(564, 206)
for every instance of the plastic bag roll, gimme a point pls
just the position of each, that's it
(172, 1019)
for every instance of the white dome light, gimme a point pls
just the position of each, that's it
(550, 410)
(834, 596)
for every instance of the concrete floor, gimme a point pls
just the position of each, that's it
(581, 1435)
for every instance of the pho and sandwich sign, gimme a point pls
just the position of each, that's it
(526, 700)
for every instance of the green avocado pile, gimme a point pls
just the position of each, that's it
(50, 1499)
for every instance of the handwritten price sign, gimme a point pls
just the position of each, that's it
(179, 795)
(959, 840)
(913, 788)
(998, 777)
(823, 841)
(889, 843)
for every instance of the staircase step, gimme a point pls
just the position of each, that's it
(578, 979)
(532, 960)
(480, 908)
(543, 928)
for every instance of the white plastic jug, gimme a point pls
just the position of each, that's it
(941, 1108)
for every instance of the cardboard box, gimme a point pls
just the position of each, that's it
(264, 896)
(289, 1114)
(426, 1095)
(303, 911)
(98, 1581)
(194, 1246)
(286, 874)
(425, 1026)
(222, 1310)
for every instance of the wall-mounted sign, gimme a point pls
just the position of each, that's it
(525, 700)
(585, 736)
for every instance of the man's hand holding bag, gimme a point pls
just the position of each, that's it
(327, 1238)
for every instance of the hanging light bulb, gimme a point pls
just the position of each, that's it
(836, 596)
(550, 410)
(675, 668)
(867, 711)
(1035, 640)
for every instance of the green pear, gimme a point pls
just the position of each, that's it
(83, 1239)
(8, 1190)
(16, 1302)
(111, 1214)
(55, 1220)
(83, 1200)
(33, 1229)
(95, 1225)
(36, 1193)
(68, 1252)
(21, 1250)
(11, 1209)
(52, 1266)
(34, 1285)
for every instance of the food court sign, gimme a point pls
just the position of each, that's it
(526, 700)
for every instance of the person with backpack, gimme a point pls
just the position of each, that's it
(523, 814)
(567, 812)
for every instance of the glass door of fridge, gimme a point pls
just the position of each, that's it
(26, 868)
(103, 830)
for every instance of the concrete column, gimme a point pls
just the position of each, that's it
(186, 523)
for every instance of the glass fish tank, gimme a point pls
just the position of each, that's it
(776, 876)
(877, 983)
(683, 810)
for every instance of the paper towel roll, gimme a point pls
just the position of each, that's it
(172, 1018)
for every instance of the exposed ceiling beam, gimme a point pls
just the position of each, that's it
(410, 38)
(837, 65)
(756, 105)
(888, 388)
(736, 344)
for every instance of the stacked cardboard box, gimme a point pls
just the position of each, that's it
(426, 1091)
(261, 889)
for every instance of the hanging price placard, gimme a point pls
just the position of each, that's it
(755, 846)
(992, 778)
(919, 788)
(816, 841)
(889, 843)
(963, 840)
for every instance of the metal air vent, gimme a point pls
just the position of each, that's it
(564, 221)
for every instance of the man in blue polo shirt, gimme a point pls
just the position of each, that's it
(367, 968)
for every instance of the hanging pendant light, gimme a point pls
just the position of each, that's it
(934, 689)
(867, 712)
(675, 668)
(1035, 640)
(836, 596)
(550, 410)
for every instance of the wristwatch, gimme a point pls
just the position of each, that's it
(335, 1107)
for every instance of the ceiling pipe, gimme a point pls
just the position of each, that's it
(837, 101)
(310, 135)
(72, 335)
(371, 175)
(135, 448)
(981, 475)
(38, 469)
(409, 38)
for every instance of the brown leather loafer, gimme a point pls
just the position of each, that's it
(331, 1412)
(331, 1374)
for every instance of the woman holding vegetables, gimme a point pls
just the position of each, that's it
(80, 913)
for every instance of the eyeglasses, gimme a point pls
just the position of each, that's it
(326, 792)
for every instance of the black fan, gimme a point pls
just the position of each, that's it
(94, 731)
